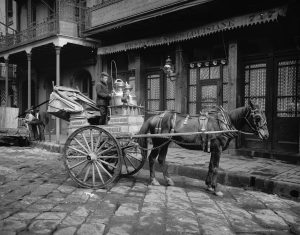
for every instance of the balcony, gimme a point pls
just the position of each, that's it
(68, 20)
(115, 13)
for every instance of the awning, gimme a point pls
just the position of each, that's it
(223, 25)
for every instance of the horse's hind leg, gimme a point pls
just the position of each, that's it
(152, 157)
(212, 175)
(162, 162)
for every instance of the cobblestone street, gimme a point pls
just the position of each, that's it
(37, 197)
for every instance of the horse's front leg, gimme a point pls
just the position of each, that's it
(162, 162)
(212, 175)
(152, 157)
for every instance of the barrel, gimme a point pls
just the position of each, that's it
(9, 117)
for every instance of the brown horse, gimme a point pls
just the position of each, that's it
(249, 118)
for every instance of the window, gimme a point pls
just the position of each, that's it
(204, 86)
(9, 12)
(255, 84)
(288, 88)
(153, 92)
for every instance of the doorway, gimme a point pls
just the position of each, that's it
(274, 83)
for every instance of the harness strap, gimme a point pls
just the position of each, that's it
(173, 122)
(186, 120)
(158, 124)
(203, 119)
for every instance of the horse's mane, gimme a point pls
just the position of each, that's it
(237, 115)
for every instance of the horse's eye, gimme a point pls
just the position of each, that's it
(257, 118)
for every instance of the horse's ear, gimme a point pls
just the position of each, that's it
(251, 104)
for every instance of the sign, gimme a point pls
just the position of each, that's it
(224, 25)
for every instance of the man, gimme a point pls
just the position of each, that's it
(103, 97)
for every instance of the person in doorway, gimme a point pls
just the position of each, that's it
(103, 97)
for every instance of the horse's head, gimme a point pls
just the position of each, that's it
(257, 121)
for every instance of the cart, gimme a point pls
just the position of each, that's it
(96, 155)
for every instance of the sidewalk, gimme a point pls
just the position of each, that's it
(262, 174)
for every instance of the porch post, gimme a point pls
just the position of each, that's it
(29, 79)
(99, 69)
(6, 82)
(181, 81)
(139, 81)
(232, 75)
(232, 83)
(57, 121)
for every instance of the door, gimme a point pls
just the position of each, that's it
(154, 95)
(286, 110)
(204, 88)
(160, 92)
(274, 83)
(255, 82)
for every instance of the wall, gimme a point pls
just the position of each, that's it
(41, 12)
(126, 9)
(23, 17)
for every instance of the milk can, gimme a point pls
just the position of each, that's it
(131, 98)
(118, 92)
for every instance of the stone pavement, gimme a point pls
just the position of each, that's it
(37, 197)
(262, 174)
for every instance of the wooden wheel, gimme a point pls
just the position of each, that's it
(133, 158)
(92, 157)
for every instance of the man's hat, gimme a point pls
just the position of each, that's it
(104, 74)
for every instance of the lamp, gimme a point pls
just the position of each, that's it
(169, 69)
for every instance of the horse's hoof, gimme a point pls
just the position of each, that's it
(218, 193)
(154, 182)
(210, 189)
(170, 182)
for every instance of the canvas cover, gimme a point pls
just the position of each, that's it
(65, 101)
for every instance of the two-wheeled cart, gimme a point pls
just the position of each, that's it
(95, 155)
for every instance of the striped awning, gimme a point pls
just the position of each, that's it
(223, 25)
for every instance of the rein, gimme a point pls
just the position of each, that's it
(253, 114)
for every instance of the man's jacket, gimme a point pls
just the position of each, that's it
(103, 94)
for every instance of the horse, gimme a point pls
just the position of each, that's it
(223, 127)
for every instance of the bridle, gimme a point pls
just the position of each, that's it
(255, 114)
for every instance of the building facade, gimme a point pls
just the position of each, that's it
(223, 52)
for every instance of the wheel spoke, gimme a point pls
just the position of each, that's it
(79, 163)
(75, 156)
(108, 164)
(81, 145)
(126, 165)
(103, 168)
(98, 141)
(99, 173)
(93, 173)
(108, 156)
(77, 150)
(79, 173)
(106, 150)
(134, 157)
(100, 147)
(92, 140)
(131, 163)
(85, 140)
(87, 173)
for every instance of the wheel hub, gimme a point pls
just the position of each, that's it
(91, 157)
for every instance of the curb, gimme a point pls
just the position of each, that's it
(235, 179)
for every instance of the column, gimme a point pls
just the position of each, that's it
(232, 82)
(181, 81)
(99, 69)
(139, 80)
(57, 121)
(232, 75)
(29, 80)
(6, 82)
